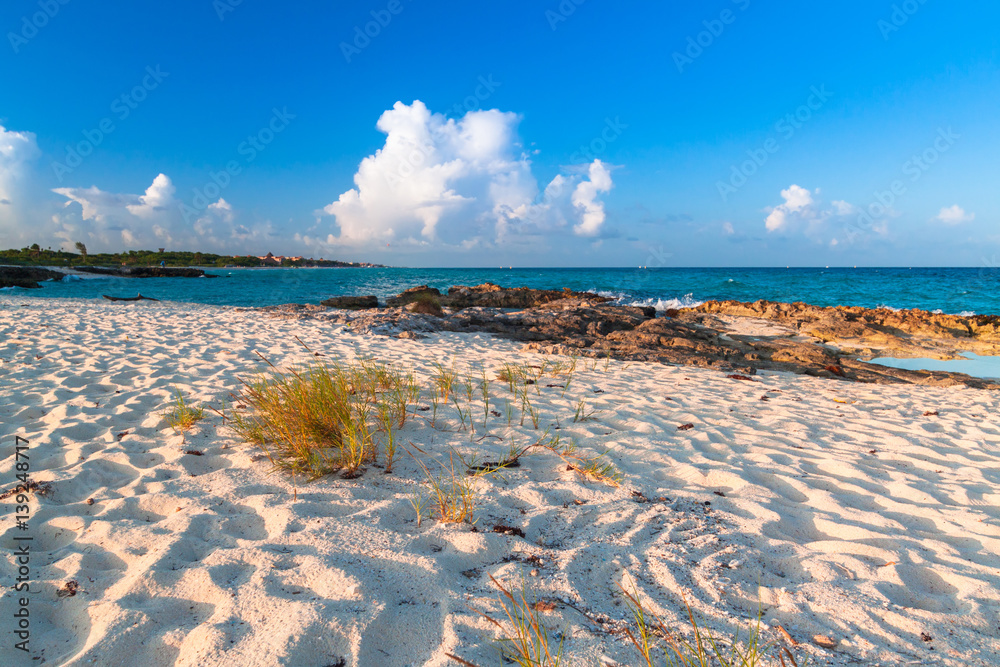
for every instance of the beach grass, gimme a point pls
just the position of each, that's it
(452, 497)
(181, 416)
(658, 645)
(325, 417)
(525, 640)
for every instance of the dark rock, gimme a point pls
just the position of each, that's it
(351, 302)
(413, 294)
(489, 295)
(146, 272)
(26, 276)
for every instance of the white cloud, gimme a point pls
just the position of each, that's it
(585, 199)
(844, 208)
(798, 206)
(727, 229)
(804, 213)
(17, 151)
(953, 215)
(159, 197)
(464, 183)
(153, 219)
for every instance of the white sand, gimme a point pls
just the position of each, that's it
(210, 560)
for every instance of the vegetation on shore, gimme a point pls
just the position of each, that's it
(35, 255)
(326, 417)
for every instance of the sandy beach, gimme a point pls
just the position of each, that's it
(865, 513)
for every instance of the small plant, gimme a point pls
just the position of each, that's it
(484, 390)
(597, 468)
(652, 637)
(458, 408)
(182, 416)
(453, 495)
(434, 406)
(386, 422)
(444, 380)
(419, 503)
(321, 418)
(428, 304)
(581, 414)
(526, 642)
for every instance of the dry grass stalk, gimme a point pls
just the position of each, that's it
(526, 641)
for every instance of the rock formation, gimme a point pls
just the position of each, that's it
(736, 338)
(26, 276)
(351, 302)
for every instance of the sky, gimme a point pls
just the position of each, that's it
(544, 133)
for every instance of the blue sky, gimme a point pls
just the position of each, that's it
(506, 133)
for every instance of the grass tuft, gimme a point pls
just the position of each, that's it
(428, 304)
(452, 497)
(596, 467)
(182, 416)
(325, 417)
(526, 642)
(652, 638)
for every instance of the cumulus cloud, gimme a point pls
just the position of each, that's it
(954, 215)
(586, 202)
(152, 219)
(798, 206)
(802, 212)
(17, 151)
(461, 182)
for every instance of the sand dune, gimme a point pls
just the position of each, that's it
(836, 508)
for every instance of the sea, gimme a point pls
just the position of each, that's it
(966, 291)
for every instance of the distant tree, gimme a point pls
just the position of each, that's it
(81, 248)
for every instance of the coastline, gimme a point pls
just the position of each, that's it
(861, 515)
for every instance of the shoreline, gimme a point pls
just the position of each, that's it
(861, 512)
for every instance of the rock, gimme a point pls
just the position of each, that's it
(411, 295)
(351, 302)
(26, 276)
(734, 338)
(146, 272)
(824, 642)
(427, 306)
(489, 295)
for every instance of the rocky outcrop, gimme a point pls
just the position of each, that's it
(146, 272)
(351, 302)
(739, 339)
(26, 276)
(867, 331)
(489, 295)
(420, 293)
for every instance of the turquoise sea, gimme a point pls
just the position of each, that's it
(949, 290)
